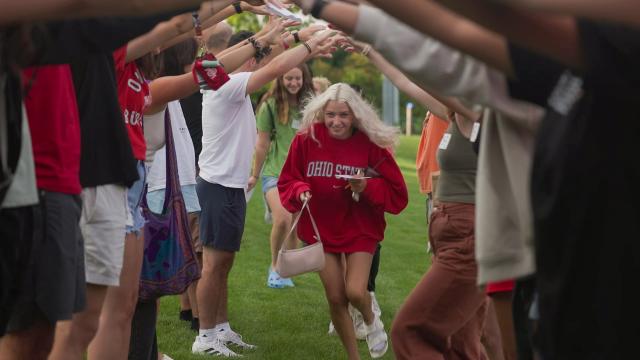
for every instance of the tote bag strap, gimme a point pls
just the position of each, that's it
(172, 186)
(305, 205)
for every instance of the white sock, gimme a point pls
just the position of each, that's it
(225, 326)
(209, 334)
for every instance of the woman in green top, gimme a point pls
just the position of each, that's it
(278, 120)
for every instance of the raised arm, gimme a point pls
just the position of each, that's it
(169, 32)
(37, 10)
(432, 19)
(209, 19)
(623, 11)
(401, 81)
(435, 66)
(427, 61)
(436, 103)
(170, 88)
(517, 24)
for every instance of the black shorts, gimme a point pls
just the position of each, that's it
(222, 217)
(17, 234)
(53, 287)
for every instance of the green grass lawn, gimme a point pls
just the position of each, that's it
(292, 323)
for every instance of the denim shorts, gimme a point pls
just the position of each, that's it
(134, 200)
(268, 183)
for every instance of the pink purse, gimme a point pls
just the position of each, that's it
(300, 261)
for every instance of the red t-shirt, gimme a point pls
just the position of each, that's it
(55, 127)
(133, 95)
(345, 226)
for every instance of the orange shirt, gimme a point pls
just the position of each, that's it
(426, 162)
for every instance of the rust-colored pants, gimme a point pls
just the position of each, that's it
(444, 315)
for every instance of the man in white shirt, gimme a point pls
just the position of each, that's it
(228, 141)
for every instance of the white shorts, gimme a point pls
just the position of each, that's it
(103, 221)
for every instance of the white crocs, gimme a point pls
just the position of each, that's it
(377, 339)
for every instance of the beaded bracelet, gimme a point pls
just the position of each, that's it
(308, 47)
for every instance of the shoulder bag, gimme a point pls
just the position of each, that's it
(300, 261)
(169, 265)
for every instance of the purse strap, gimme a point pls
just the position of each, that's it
(305, 205)
(172, 178)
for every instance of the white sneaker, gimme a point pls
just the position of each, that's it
(374, 304)
(332, 329)
(231, 337)
(213, 346)
(377, 340)
(358, 323)
(359, 326)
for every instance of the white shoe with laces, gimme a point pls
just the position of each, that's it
(212, 346)
(231, 337)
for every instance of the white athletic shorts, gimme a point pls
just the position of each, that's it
(105, 215)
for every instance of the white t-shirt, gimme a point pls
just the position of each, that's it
(228, 134)
(185, 153)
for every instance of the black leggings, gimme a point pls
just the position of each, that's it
(143, 344)
(523, 294)
(373, 273)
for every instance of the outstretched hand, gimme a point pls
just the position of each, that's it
(322, 44)
(274, 34)
(308, 32)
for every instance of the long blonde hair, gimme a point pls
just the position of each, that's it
(366, 118)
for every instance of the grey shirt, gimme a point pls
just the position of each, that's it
(458, 163)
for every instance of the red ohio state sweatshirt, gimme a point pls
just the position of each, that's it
(345, 226)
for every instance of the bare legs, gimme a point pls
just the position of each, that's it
(212, 287)
(343, 286)
(73, 337)
(32, 343)
(114, 332)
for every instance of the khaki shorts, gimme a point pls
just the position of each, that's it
(103, 221)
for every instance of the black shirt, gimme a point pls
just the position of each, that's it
(106, 157)
(192, 109)
(585, 200)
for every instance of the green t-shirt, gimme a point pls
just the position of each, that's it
(281, 135)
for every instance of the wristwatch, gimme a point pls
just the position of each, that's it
(238, 7)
